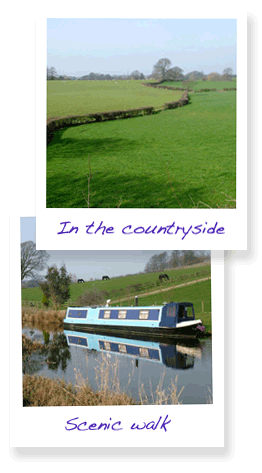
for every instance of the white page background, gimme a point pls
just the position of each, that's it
(242, 270)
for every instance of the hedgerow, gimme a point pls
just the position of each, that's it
(55, 124)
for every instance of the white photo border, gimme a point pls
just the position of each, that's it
(45, 426)
(234, 221)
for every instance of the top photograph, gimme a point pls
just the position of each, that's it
(141, 113)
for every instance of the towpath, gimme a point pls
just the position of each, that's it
(163, 290)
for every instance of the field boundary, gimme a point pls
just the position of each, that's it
(164, 290)
(55, 124)
(168, 87)
(157, 85)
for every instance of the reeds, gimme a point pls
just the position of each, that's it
(42, 391)
(40, 316)
(161, 396)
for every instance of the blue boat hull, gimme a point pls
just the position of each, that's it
(185, 332)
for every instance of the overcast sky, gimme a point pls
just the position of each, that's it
(120, 46)
(91, 263)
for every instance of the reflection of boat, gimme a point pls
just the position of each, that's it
(169, 320)
(174, 356)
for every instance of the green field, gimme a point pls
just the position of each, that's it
(127, 286)
(207, 84)
(181, 158)
(82, 97)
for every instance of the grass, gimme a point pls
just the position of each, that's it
(207, 84)
(127, 286)
(182, 158)
(81, 97)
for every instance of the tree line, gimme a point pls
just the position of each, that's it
(177, 258)
(162, 71)
(52, 74)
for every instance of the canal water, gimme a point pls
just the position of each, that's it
(138, 367)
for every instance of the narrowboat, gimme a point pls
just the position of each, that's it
(178, 356)
(171, 320)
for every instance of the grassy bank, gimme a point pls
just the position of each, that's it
(168, 160)
(127, 286)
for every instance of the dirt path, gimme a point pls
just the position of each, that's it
(164, 290)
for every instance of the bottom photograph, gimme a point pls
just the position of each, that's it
(109, 328)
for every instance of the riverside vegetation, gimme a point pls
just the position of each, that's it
(43, 391)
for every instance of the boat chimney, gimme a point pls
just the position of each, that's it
(136, 300)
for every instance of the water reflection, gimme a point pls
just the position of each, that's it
(140, 362)
(45, 349)
(174, 355)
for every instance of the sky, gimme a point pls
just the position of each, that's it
(91, 263)
(120, 46)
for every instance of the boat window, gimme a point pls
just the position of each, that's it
(77, 314)
(143, 352)
(122, 314)
(185, 312)
(189, 311)
(107, 314)
(143, 314)
(122, 348)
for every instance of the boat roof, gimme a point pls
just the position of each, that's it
(128, 307)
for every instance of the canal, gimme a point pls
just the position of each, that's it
(142, 368)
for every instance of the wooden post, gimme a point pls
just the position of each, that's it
(202, 306)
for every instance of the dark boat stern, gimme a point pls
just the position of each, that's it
(200, 329)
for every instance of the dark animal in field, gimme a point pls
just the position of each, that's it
(163, 276)
(104, 278)
(80, 280)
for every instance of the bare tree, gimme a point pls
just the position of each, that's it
(228, 70)
(162, 261)
(73, 278)
(51, 73)
(137, 75)
(161, 68)
(227, 73)
(157, 263)
(174, 73)
(32, 260)
(214, 76)
(152, 264)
